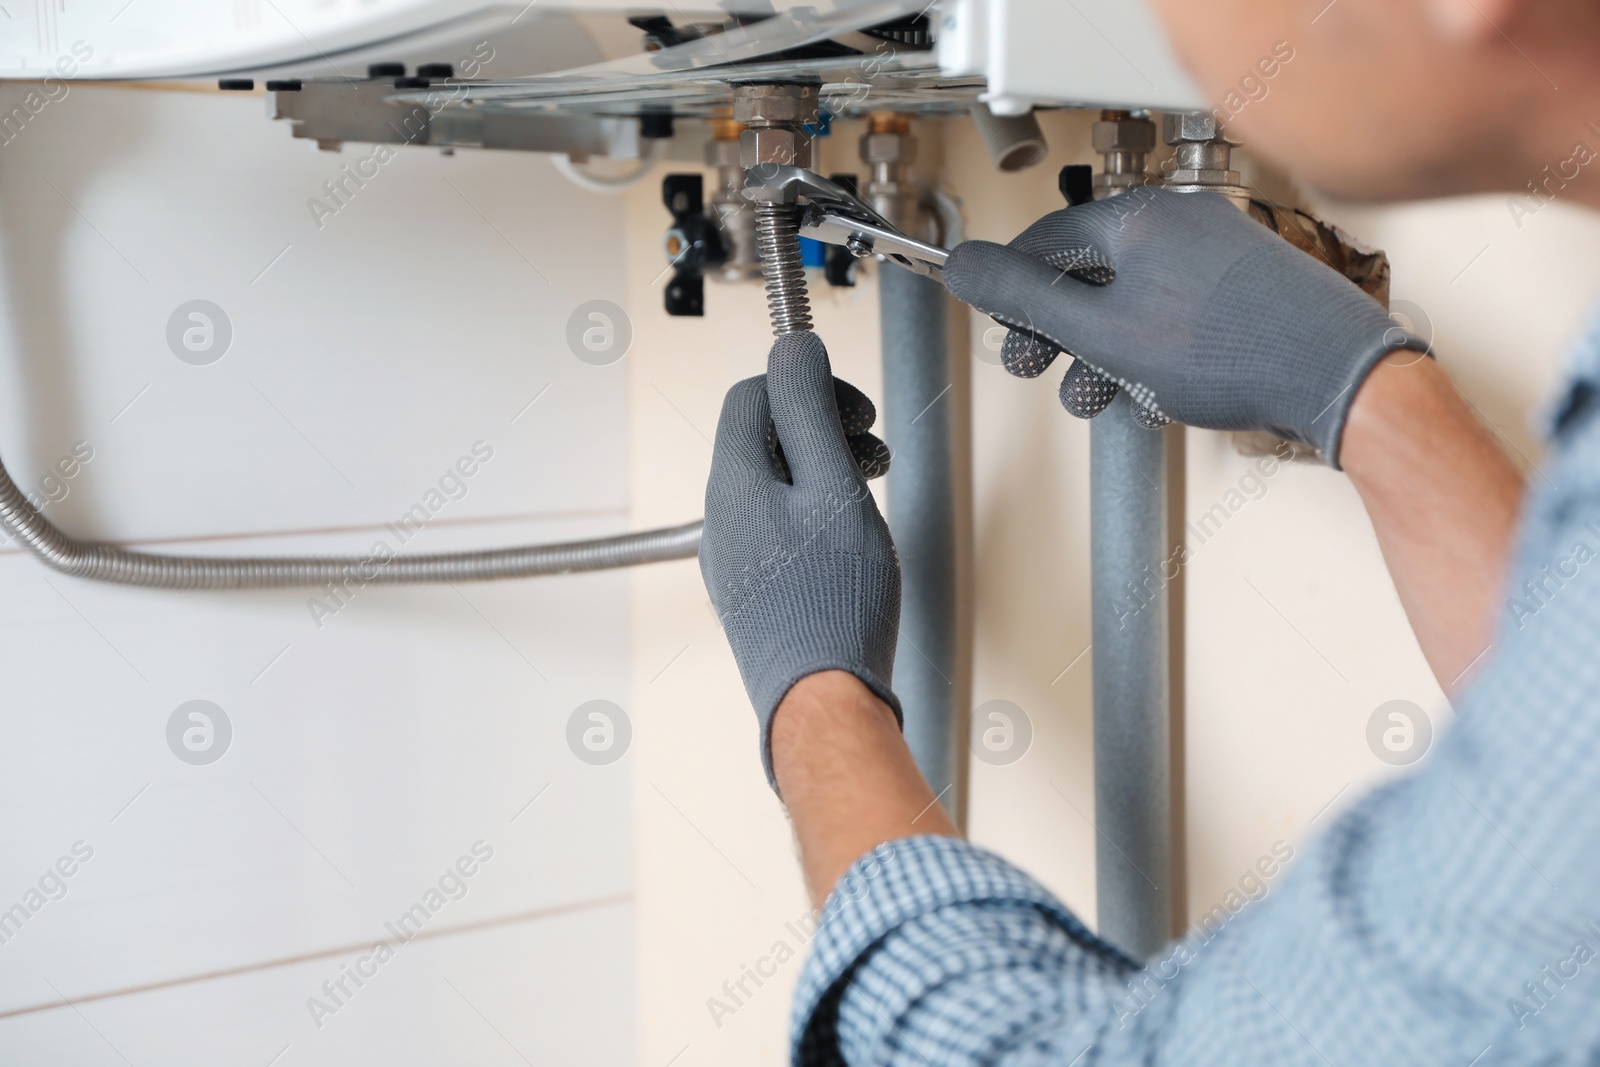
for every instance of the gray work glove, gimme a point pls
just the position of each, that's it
(795, 555)
(1200, 313)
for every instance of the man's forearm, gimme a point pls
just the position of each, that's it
(1443, 500)
(846, 776)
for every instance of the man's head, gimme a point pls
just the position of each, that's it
(1393, 99)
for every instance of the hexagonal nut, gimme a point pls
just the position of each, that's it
(757, 192)
(1180, 126)
(1124, 135)
(774, 146)
(795, 104)
(758, 195)
(888, 148)
(722, 153)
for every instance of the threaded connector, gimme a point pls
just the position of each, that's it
(778, 244)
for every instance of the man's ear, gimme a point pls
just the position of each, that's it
(1469, 21)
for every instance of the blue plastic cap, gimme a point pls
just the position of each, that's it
(813, 253)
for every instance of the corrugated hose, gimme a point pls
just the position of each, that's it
(109, 563)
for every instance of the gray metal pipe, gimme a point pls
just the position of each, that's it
(1132, 698)
(918, 412)
(1135, 876)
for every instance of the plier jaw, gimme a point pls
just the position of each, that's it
(833, 215)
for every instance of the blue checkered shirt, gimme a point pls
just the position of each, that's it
(1451, 917)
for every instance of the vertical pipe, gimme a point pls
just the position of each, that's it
(1128, 497)
(1132, 754)
(918, 402)
(920, 398)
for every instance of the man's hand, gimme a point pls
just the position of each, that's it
(1200, 313)
(796, 558)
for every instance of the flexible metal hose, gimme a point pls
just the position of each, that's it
(778, 243)
(108, 563)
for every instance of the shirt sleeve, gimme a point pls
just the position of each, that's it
(935, 913)
(1450, 917)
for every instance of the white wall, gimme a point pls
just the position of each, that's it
(1294, 633)
(371, 753)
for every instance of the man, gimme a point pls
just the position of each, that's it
(1450, 918)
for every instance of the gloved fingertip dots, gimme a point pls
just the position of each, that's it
(1149, 418)
(1027, 356)
(1085, 392)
